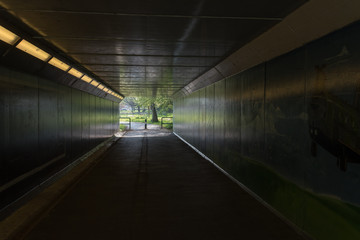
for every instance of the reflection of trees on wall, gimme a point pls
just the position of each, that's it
(334, 123)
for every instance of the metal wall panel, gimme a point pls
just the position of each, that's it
(333, 125)
(219, 121)
(76, 123)
(92, 104)
(43, 121)
(4, 121)
(23, 128)
(48, 143)
(286, 133)
(286, 126)
(289, 130)
(252, 87)
(194, 130)
(64, 120)
(209, 125)
(202, 120)
(85, 120)
(232, 133)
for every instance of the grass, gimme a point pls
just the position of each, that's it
(168, 126)
(122, 127)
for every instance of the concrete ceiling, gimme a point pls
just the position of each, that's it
(149, 48)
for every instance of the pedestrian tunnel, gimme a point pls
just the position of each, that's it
(265, 141)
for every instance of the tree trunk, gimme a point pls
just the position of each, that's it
(138, 109)
(154, 113)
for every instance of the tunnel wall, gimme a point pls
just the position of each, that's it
(285, 130)
(46, 122)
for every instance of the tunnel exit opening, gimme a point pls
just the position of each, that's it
(137, 113)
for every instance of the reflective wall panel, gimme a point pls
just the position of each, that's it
(289, 130)
(43, 121)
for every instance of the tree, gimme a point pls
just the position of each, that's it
(164, 105)
(160, 104)
(154, 113)
(150, 103)
(131, 101)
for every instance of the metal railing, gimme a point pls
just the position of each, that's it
(164, 123)
(128, 119)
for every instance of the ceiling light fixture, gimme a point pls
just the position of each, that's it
(59, 64)
(86, 78)
(75, 73)
(94, 83)
(33, 50)
(7, 36)
(11, 38)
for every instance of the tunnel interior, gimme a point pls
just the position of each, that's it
(269, 94)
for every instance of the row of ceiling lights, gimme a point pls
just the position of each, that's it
(12, 39)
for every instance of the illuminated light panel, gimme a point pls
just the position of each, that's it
(7, 36)
(86, 79)
(101, 87)
(106, 89)
(59, 64)
(75, 73)
(33, 50)
(94, 83)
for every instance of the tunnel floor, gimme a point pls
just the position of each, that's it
(151, 185)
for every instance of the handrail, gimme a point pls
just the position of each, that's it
(163, 123)
(129, 121)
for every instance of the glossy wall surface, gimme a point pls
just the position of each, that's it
(43, 121)
(289, 130)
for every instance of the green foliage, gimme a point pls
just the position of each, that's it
(164, 105)
(122, 127)
(142, 104)
(168, 126)
(159, 106)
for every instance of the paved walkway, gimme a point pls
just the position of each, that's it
(150, 185)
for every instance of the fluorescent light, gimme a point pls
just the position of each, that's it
(59, 64)
(7, 36)
(75, 73)
(33, 50)
(86, 79)
(106, 89)
(101, 87)
(94, 83)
